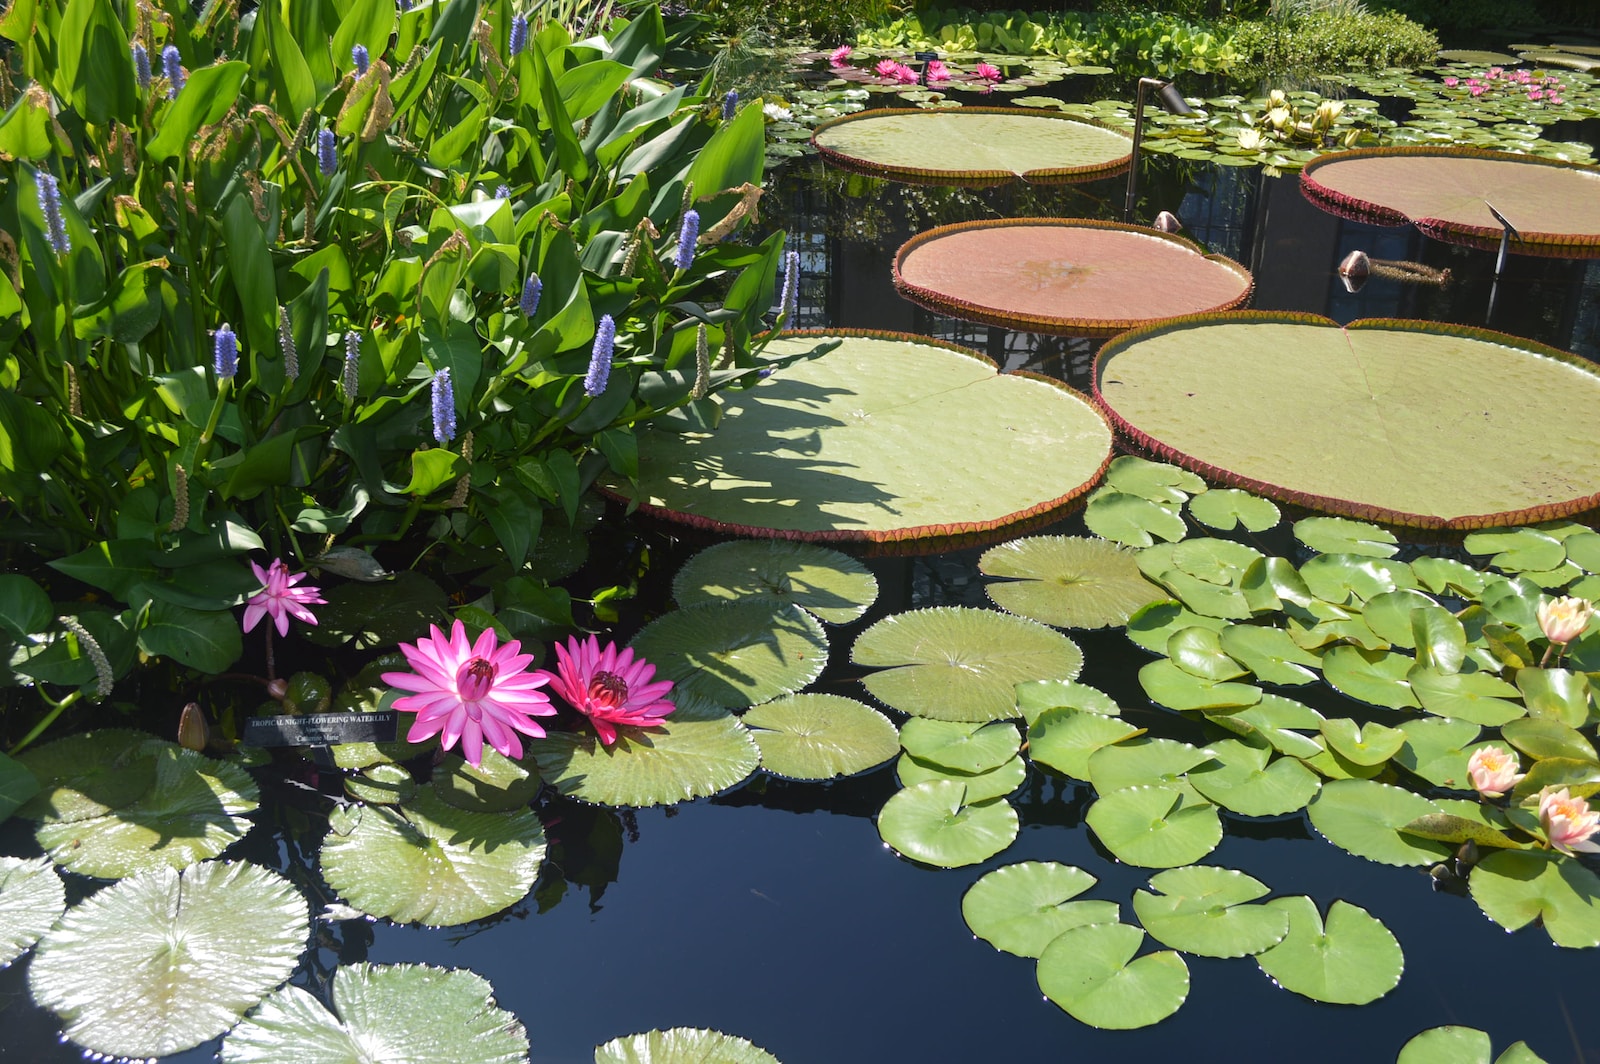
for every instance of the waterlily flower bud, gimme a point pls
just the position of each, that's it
(1354, 269)
(1563, 619)
(1276, 98)
(1493, 771)
(193, 731)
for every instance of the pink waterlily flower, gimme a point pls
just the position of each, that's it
(1568, 822)
(988, 72)
(886, 68)
(1452, 82)
(609, 686)
(937, 71)
(1493, 771)
(280, 599)
(474, 693)
(839, 56)
(1495, 72)
(1477, 90)
(1535, 94)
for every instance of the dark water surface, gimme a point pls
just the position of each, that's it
(776, 912)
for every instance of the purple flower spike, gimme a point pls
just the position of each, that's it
(352, 366)
(730, 104)
(530, 294)
(605, 336)
(686, 238)
(519, 35)
(50, 206)
(789, 305)
(444, 407)
(172, 67)
(359, 56)
(141, 65)
(502, 192)
(225, 353)
(327, 152)
(404, 5)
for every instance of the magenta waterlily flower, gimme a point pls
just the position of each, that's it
(280, 599)
(609, 686)
(840, 56)
(472, 693)
(937, 71)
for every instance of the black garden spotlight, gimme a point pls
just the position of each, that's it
(1171, 101)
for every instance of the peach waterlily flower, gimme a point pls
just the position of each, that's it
(280, 599)
(609, 686)
(1568, 822)
(474, 693)
(1563, 619)
(1493, 771)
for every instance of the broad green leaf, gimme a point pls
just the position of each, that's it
(1352, 579)
(17, 786)
(835, 587)
(1556, 694)
(1151, 626)
(1092, 973)
(1442, 575)
(1269, 653)
(201, 639)
(418, 1014)
(206, 97)
(1198, 652)
(1389, 615)
(1155, 827)
(496, 785)
(377, 615)
(1518, 551)
(433, 863)
(1203, 910)
(700, 749)
(1365, 818)
(89, 774)
(1035, 697)
(1369, 744)
(735, 653)
(166, 960)
(24, 606)
(1022, 908)
(1437, 749)
(1543, 738)
(1461, 1045)
(954, 663)
(1515, 887)
(1270, 582)
(818, 737)
(1160, 482)
(1350, 960)
(32, 896)
(1132, 520)
(932, 823)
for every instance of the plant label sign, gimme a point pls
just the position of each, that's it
(321, 729)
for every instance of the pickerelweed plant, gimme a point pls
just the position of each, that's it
(333, 274)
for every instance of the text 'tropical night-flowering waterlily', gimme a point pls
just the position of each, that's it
(609, 686)
(472, 693)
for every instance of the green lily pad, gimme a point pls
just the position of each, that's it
(89, 774)
(1269, 583)
(1203, 910)
(17, 785)
(1022, 908)
(960, 747)
(1222, 392)
(1069, 582)
(1438, 749)
(1462, 1045)
(997, 782)
(433, 863)
(1229, 508)
(1064, 739)
(1142, 761)
(700, 749)
(1365, 818)
(1519, 550)
(496, 785)
(32, 896)
(1216, 561)
(1246, 780)
(1372, 744)
(1556, 694)
(932, 823)
(1279, 720)
(777, 466)
(1269, 653)
(1160, 482)
(1542, 738)
(1442, 575)
(735, 654)
(418, 1014)
(1375, 676)
(818, 737)
(1155, 827)
(1204, 596)
(835, 587)
(1580, 777)
(959, 664)
(1516, 887)
(1156, 623)
(1174, 688)
(165, 960)
(1341, 535)
(1131, 519)
(368, 615)
(1462, 821)
(1351, 960)
(1479, 697)
(1092, 973)
(681, 1045)
(1353, 579)
(1035, 697)
(1198, 652)
(381, 785)
(194, 810)
(1389, 615)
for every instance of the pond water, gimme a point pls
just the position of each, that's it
(776, 913)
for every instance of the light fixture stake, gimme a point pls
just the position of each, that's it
(1172, 102)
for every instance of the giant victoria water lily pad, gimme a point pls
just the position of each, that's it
(165, 960)
(397, 1013)
(1431, 422)
(973, 145)
(1066, 277)
(1554, 207)
(881, 439)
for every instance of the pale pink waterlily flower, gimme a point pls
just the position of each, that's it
(280, 599)
(609, 686)
(471, 693)
(1563, 619)
(1476, 90)
(988, 72)
(840, 56)
(1452, 82)
(1568, 822)
(1493, 771)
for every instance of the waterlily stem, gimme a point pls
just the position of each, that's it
(49, 718)
(271, 664)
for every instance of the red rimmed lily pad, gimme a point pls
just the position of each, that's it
(1411, 423)
(1064, 276)
(883, 439)
(973, 146)
(1554, 206)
